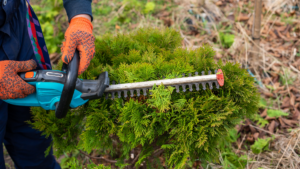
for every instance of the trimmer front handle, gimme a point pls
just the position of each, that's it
(71, 70)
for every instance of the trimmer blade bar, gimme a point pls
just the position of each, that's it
(184, 84)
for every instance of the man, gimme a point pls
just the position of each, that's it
(25, 145)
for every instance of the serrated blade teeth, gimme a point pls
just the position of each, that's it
(131, 93)
(183, 88)
(203, 86)
(177, 88)
(191, 87)
(217, 84)
(186, 85)
(138, 92)
(210, 85)
(125, 93)
(113, 95)
(197, 86)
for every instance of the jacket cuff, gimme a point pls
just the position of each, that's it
(76, 7)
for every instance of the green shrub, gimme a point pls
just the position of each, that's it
(185, 127)
(47, 12)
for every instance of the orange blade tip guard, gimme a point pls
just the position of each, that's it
(220, 77)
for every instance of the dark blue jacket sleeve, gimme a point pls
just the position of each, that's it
(75, 7)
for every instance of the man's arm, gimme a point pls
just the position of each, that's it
(78, 7)
(79, 34)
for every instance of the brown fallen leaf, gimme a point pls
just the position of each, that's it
(276, 68)
(294, 89)
(271, 127)
(262, 134)
(296, 63)
(242, 17)
(286, 110)
(275, 76)
(286, 14)
(164, 14)
(250, 138)
(239, 127)
(276, 85)
(281, 35)
(168, 21)
(231, 17)
(298, 99)
(265, 30)
(252, 129)
(277, 23)
(286, 103)
(283, 125)
(292, 13)
(297, 105)
(268, 94)
(276, 54)
(281, 28)
(287, 29)
(277, 64)
(162, 160)
(283, 92)
(219, 3)
(197, 164)
(288, 35)
(291, 123)
(296, 114)
(278, 12)
(267, 80)
(255, 135)
(270, 118)
(279, 89)
(292, 99)
(264, 113)
(273, 35)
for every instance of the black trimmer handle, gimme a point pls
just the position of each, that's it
(71, 70)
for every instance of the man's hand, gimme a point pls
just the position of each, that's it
(11, 84)
(79, 35)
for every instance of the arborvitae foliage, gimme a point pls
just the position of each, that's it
(185, 126)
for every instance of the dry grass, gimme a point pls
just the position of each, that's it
(285, 153)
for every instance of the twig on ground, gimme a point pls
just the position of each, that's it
(101, 158)
(263, 130)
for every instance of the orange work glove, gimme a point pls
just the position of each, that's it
(79, 35)
(11, 84)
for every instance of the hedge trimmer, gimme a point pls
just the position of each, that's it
(61, 90)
